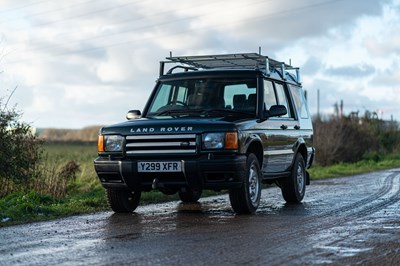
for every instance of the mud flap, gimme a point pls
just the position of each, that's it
(307, 178)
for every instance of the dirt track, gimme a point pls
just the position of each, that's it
(343, 221)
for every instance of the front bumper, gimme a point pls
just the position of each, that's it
(206, 172)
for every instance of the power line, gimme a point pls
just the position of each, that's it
(24, 6)
(114, 24)
(141, 27)
(257, 18)
(70, 17)
(129, 20)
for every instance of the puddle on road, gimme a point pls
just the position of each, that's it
(167, 217)
(391, 227)
(343, 251)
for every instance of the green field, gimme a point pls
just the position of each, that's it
(85, 193)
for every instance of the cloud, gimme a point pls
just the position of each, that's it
(357, 71)
(382, 38)
(311, 66)
(387, 78)
(287, 21)
(81, 63)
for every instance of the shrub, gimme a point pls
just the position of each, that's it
(20, 151)
(23, 167)
(350, 139)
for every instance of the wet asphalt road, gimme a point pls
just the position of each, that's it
(343, 221)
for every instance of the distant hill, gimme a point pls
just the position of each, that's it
(85, 134)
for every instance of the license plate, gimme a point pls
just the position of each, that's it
(159, 166)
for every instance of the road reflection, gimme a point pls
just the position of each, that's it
(182, 218)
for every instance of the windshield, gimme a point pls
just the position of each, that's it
(205, 96)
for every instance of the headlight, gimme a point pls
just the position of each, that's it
(111, 143)
(220, 140)
(213, 140)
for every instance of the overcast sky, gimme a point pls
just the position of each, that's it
(78, 63)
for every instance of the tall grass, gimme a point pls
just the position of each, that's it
(54, 173)
(82, 154)
(67, 185)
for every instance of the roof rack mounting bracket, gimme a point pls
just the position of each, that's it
(162, 66)
(267, 70)
(298, 75)
(283, 71)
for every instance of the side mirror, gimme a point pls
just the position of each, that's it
(277, 110)
(133, 114)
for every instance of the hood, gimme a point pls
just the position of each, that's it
(169, 126)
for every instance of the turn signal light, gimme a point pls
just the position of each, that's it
(100, 143)
(231, 141)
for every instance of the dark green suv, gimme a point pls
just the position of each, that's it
(217, 122)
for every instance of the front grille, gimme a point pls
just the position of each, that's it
(161, 144)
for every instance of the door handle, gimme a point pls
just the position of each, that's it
(297, 127)
(284, 127)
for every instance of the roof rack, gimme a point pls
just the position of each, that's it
(231, 61)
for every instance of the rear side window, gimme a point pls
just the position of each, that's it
(300, 101)
(275, 93)
(282, 98)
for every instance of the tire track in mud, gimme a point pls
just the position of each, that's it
(364, 203)
(349, 212)
(388, 194)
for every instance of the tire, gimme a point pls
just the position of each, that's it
(294, 186)
(122, 201)
(189, 195)
(245, 200)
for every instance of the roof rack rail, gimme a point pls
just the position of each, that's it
(232, 61)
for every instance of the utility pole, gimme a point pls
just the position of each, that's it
(341, 108)
(318, 104)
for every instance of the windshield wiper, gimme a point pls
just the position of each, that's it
(170, 112)
(198, 112)
(229, 111)
(180, 112)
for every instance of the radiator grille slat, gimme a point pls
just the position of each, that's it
(161, 144)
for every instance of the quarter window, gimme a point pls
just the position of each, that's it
(282, 99)
(269, 94)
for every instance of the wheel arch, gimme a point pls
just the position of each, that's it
(300, 147)
(303, 151)
(255, 147)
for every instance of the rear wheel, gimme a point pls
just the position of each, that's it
(245, 200)
(122, 200)
(294, 186)
(189, 195)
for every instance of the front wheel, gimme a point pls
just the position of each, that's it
(245, 200)
(122, 201)
(294, 186)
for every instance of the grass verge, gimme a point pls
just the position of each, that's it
(369, 164)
